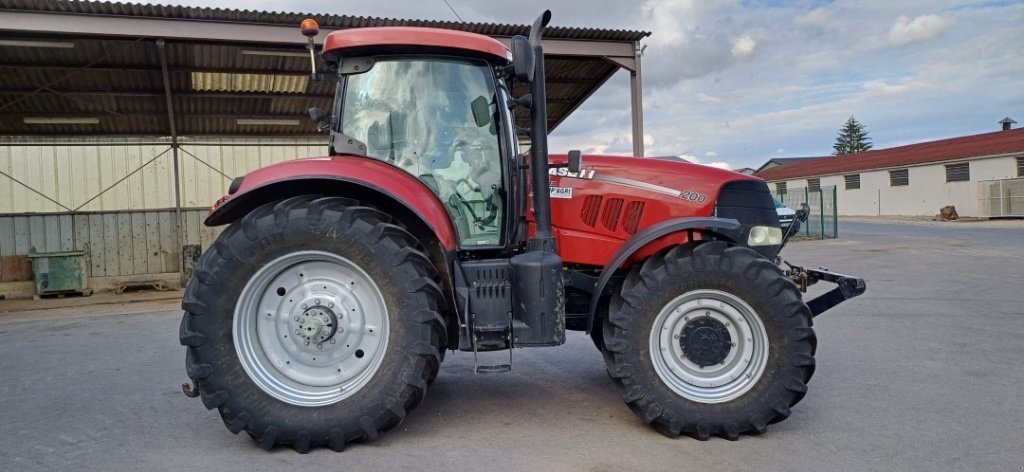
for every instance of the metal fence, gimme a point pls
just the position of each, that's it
(823, 221)
(1001, 198)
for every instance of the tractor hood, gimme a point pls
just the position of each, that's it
(613, 197)
(662, 171)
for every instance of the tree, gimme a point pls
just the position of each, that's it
(852, 138)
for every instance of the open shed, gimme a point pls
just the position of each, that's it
(121, 123)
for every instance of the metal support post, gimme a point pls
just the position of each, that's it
(637, 103)
(179, 234)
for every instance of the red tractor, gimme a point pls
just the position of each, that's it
(322, 314)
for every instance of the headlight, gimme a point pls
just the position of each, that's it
(764, 236)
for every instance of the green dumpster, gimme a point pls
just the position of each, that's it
(59, 273)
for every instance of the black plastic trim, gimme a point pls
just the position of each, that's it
(644, 237)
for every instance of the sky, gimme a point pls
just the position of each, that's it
(733, 83)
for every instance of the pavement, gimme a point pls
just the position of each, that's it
(923, 372)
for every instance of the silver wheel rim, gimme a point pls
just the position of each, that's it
(740, 369)
(310, 328)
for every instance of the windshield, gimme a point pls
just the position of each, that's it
(434, 118)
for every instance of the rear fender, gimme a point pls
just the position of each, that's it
(384, 186)
(645, 237)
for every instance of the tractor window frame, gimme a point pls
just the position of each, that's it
(464, 241)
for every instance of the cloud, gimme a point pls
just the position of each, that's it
(705, 98)
(814, 19)
(923, 28)
(743, 47)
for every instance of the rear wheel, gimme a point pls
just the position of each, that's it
(717, 342)
(313, 322)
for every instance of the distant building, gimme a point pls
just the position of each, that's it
(785, 161)
(981, 175)
(745, 170)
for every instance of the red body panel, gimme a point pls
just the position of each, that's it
(369, 172)
(411, 36)
(614, 197)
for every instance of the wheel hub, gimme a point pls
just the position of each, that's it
(705, 341)
(317, 324)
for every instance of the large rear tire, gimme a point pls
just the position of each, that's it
(717, 342)
(313, 322)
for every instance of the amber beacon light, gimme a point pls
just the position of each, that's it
(310, 29)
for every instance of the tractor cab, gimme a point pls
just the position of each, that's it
(427, 101)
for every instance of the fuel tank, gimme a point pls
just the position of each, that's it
(612, 197)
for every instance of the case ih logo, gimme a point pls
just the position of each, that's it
(587, 174)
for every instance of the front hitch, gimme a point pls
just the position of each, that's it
(847, 287)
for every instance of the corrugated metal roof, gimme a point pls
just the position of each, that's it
(328, 21)
(964, 147)
(119, 80)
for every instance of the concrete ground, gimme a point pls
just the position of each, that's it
(924, 372)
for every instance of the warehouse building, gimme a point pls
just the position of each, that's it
(120, 124)
(981, 175)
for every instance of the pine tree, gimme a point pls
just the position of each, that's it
(852, 138)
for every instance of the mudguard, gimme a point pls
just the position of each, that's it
(645, 237)
(360, 178)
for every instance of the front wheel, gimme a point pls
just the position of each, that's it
(313, 322)
(717, 342)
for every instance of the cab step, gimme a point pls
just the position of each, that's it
(493, 369)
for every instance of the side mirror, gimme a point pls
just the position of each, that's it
(575, 161)
(481, 111)
(323, 122)
(803, 212)
(522, 59)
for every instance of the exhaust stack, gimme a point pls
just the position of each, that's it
(538, 312)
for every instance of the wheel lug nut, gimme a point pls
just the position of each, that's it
(304, 306)
(316, 301)
(296, 317)
(330, 304)
(319, 345)
(333, 340)
(307, 342)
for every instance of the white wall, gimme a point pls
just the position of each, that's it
(74, 174)
(927, 193)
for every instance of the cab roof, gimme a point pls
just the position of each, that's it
(412, 40)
